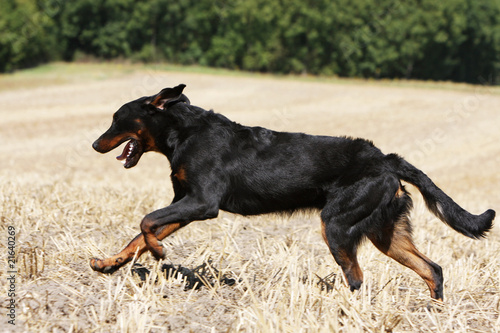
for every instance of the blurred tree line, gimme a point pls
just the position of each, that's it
(455, 40)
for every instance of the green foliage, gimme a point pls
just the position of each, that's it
(25, 38)
(424, 39)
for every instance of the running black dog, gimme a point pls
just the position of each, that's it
(218, 164)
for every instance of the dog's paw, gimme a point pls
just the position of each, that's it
(159, 251)
(98, 266)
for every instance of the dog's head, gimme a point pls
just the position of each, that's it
(132, 124)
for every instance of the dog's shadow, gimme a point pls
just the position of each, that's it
(203, 275)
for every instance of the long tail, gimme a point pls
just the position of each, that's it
(440, 204)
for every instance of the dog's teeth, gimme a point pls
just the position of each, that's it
(123, 162)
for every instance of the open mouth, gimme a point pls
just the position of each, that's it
(131, 153)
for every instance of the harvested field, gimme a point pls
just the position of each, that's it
(268, 273)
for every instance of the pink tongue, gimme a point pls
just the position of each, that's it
(125, 152)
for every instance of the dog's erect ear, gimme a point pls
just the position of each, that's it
(167, 95)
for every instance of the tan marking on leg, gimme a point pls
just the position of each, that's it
(111, 264)
(399, 193)
(399, 246)
(347, 261)
(323, 231)
(153, 239)
(350, 267)
(169, 229)
(137, 245)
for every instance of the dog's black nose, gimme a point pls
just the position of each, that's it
(95, 145)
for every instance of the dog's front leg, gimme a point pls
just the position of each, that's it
(182, 212)
(134, 249)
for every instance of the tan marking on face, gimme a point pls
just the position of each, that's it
(108, 144)
(147, 140)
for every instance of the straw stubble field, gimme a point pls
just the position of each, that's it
(67, 204)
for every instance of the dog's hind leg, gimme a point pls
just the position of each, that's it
(351, 212)
(342, 243)
(395, 241)
(343, 249)
(135, 248)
